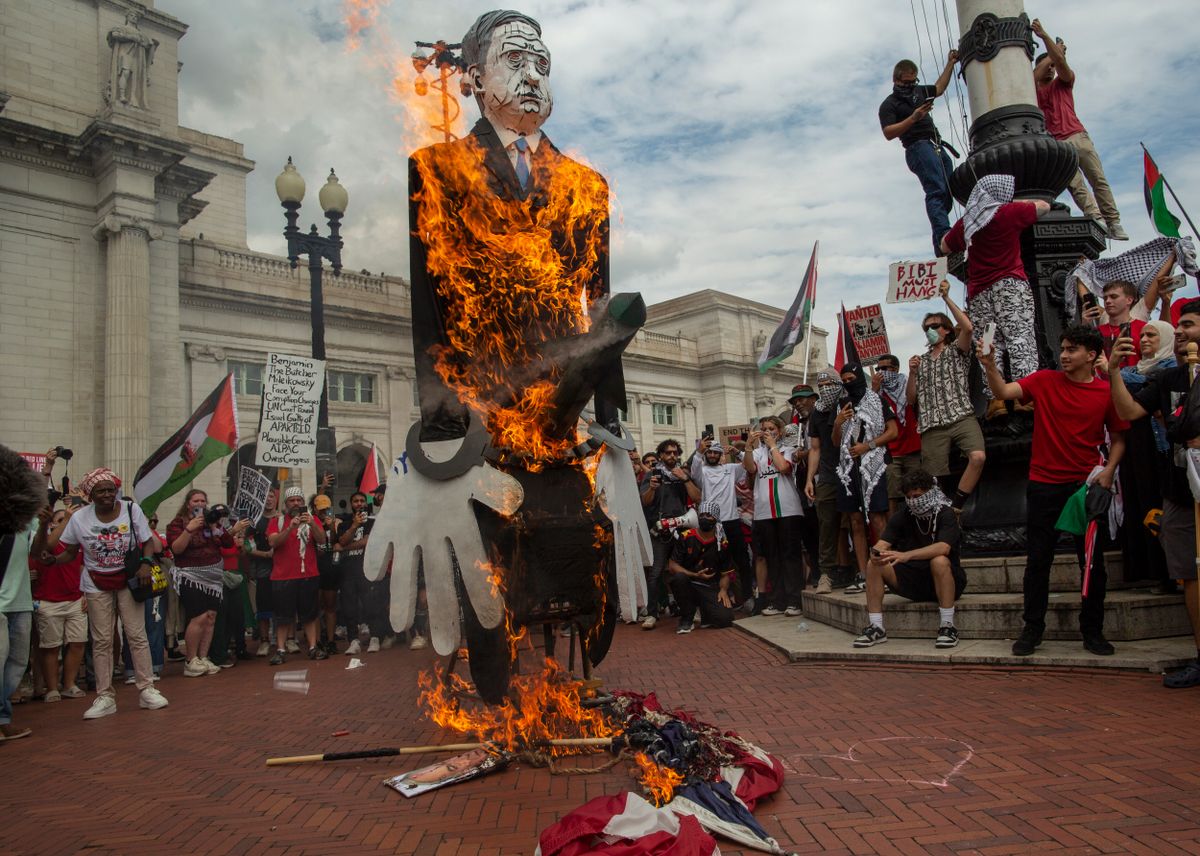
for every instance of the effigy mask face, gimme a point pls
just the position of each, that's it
(512, 85)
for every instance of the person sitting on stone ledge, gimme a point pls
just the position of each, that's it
(997, 289)
(917, 557)
(1072, 413)
(702, 573)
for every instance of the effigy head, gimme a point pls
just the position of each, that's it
(508, 69)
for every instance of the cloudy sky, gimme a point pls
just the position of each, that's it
(734, 134)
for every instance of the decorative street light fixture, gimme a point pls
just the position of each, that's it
(289, 185)
(448, 64)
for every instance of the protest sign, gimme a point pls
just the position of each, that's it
(287, 435)
(908, 281)
(36, 460)
(251, 497)
(869, 332)
(728, 434)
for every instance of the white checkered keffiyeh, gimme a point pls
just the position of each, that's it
(987, 196)
(1137, 265)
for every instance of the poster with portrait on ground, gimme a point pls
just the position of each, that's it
(450, 771)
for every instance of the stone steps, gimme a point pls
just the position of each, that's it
(1001, 574)
(1129, 614)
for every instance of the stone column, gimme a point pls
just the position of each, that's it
(126, 428)
(1008, 132)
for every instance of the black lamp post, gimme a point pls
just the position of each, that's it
(289, 186)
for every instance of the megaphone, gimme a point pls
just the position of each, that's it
(690, 520)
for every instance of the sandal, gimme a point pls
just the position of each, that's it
(10, 732)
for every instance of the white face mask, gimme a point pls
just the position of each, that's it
(934, 335)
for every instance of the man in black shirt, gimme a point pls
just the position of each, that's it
(664, 493)
(905, 114)
(701, 569)
(1166, 397)
(361, 596)
(821, 484)
(917, 557)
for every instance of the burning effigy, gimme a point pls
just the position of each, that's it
(518, 509)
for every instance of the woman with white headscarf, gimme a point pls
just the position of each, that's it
(1146, 463)
(997, 287)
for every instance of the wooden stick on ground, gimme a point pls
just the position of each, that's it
(420, 750)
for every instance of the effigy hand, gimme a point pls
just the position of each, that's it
(429, 524)
(617, 494)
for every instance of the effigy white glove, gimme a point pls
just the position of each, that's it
(429, 523)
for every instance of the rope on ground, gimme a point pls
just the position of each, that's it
(543, 759)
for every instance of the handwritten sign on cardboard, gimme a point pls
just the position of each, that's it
(287, 435)
(909, 281)
(251, 497)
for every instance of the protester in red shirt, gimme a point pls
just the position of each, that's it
(997, 290)
(1055, 84)
(295, 578)
(1072, 411)
(61, 611)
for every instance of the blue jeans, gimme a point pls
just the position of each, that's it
(156, 635)
(15, 631)
(932, 166)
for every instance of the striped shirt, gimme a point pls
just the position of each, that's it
(775, 494)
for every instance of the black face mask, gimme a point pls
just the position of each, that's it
(856, 388)
(904, 89)
(707, 524)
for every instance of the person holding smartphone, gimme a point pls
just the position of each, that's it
(295, 577)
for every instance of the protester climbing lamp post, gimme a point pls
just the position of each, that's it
(448, 64)
(289, 185)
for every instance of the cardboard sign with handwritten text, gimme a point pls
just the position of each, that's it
(909, 281)
(287, 435)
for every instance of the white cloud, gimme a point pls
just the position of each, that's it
(734, 134)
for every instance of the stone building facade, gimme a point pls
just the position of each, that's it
(129, 291)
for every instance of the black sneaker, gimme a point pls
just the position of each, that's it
(317, 653)
(331, 647)
(1026, 643)
(1188, 676)
(857, 586)
(684, 627)
(277, 658)
(871, 635)
(947, 637)
(174, 655)
(1098, 645)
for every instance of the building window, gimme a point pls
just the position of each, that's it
(623, 413)
(663, 414)
(247, 377)
(352, 387)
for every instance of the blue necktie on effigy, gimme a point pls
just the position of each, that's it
(522, 147)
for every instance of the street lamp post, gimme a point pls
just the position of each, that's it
(289, 186)
(448, 60)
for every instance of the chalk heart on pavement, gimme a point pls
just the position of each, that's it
(898, 760)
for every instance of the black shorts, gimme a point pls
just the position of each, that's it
(851, 502)
(295, 600)
(262, 598)
(331, 575)
(197, 601)
(914, 580)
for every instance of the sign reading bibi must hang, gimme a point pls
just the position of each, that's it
(287, 434)
(908, 281)
(869, 332)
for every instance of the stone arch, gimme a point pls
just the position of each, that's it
(351, 464)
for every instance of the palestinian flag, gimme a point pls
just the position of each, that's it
(790, 332)
(370, 477)
(847, 350)
(1154, 186)
(209, 434)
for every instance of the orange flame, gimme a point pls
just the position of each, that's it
(512, 274)
(359, 16)
(659, 783)
(540, 707)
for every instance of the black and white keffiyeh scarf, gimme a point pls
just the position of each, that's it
(988, 195)
(895, 385)
(1137, 265)
(926, 508)
(866, 422)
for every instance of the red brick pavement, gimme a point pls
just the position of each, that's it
(886, 760)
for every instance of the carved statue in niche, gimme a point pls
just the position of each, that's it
(129, 67)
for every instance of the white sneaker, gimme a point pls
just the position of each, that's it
(373, 645)
(418, 643)
(649, 622)
(210, 667)
(825, 584)
(793, 611)
(339, 632)
(355, 647)
(264, 649)
(152, 699)
(102, 706)
(291, 647)
(387, 642)
(132, 679)
(363, 631)
(194, 668)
